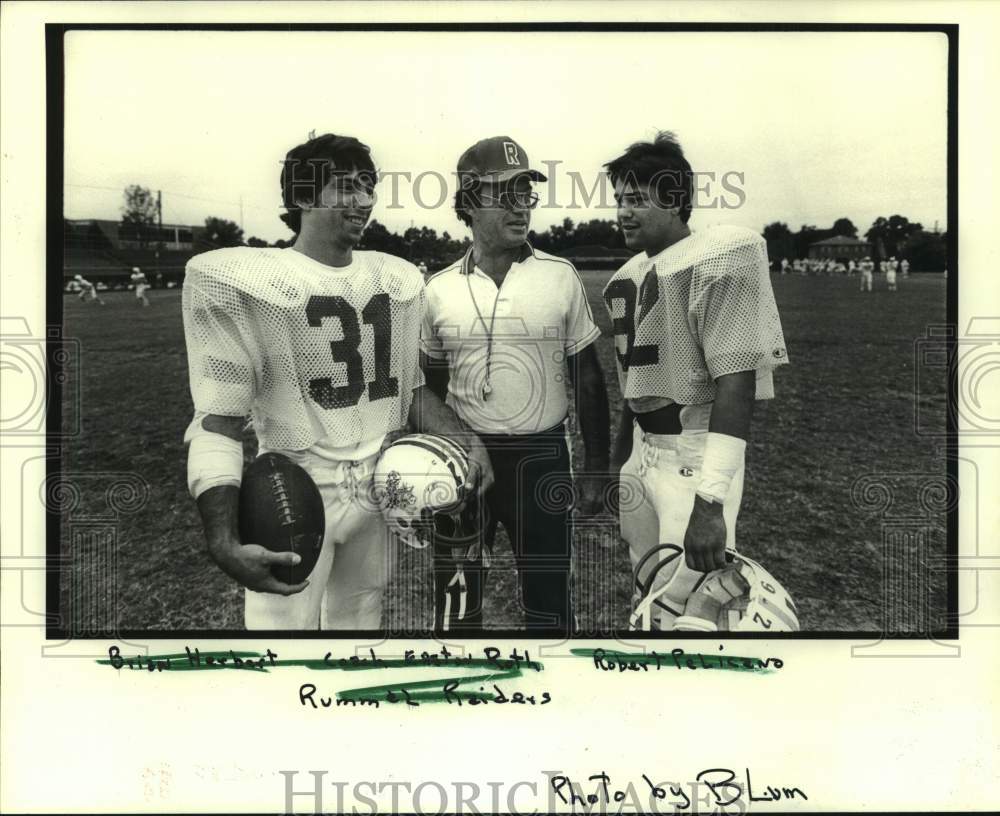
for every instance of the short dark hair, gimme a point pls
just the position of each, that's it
(308, 167)
(660, 164)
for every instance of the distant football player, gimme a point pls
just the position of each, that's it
(890, 273)
(851, 267)
(140, 283)
(422, 267)
(319, 345)
(87, 290)
(697, 336)
(904, 267)
(866, 267)
(784, 266)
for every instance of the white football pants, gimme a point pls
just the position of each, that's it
(658, 491)
(347, 584)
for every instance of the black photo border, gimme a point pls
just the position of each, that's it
(55, 90)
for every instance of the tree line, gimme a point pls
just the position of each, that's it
(889, 237)
(892, 236)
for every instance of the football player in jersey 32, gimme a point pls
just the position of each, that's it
(697, 337)
(319, 345)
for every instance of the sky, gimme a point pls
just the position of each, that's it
(807, 127)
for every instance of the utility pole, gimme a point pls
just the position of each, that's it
(159, 229)
(241, 211)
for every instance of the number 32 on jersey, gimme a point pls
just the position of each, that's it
(624, 291)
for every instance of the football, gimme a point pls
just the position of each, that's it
(281, 509)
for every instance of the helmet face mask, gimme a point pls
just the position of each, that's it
(459, 531)
(413, 530)
(651, 581)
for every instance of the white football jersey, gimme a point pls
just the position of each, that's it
(698, 310)
(312, 353)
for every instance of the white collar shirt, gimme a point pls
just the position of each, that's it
(539, 315)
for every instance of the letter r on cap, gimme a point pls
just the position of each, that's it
(511, 151)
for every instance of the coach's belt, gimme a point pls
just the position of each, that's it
(557, 430)
(665, 420)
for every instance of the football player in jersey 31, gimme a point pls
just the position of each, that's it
(697, 336)
(319, 345)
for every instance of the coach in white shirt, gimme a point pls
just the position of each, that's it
(506, 328)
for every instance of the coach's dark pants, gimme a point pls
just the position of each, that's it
(532, 498)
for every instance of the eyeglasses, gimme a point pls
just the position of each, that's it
(511, 199)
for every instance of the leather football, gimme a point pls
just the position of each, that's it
(282, 509)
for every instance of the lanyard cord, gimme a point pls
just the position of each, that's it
(487, 387)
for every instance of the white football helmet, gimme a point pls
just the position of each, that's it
(742, 597)
(418, 476)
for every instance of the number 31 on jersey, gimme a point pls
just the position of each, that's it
(377, 314)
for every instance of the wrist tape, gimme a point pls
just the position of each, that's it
(213, 460)
(724, 456)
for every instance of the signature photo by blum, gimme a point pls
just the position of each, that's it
(469, 345)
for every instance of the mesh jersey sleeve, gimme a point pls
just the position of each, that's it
(581, 330)
(734, 314)
(220, 364)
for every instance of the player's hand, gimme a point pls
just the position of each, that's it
(592, 487)
(250, 565)
(705, 538)
(391, 437)
(480, 467)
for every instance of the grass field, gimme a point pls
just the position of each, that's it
(844, 408)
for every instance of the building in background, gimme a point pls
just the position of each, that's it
(105, 251)
(839, 248)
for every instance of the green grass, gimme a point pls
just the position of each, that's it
(844, 408)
